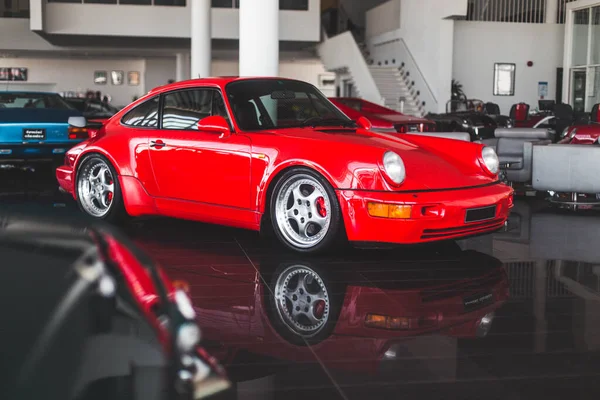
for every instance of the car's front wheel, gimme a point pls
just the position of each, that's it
(98, 190)
(305, 212)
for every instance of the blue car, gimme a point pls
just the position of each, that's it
(34, 127)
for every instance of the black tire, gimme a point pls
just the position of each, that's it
(335, 292)
(116, 212)
(333, 234)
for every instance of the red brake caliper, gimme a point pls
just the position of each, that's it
(110, 195)
(321, 207)
(319, 309)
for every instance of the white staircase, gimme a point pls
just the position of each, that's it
(397, 89)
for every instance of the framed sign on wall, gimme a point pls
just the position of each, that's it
(18, 74)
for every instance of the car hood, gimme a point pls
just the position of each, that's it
(431, 162)
(398, 118)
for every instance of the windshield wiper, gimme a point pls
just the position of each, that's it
(321, 121)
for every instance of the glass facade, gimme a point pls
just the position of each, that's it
(14, 9)
(584, 73)
(299, 5)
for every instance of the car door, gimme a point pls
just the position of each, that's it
(199, 166)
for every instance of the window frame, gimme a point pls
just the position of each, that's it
(211, 88)
(159, 123)
(497, 66)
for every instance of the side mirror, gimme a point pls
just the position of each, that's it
(78, 122)
(364, 123)
(216, 124)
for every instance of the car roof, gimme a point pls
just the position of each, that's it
(220, 81)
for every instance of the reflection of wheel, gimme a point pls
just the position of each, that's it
(98, 190)
(304, 308)
(305, 212)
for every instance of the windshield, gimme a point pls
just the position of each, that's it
(33, 100)
(271, 104)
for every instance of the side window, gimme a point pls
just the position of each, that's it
(184, 108)
(144, 115)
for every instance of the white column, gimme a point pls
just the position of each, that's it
(201, 52)
(182, 67)
(551, 11)
(259, 37)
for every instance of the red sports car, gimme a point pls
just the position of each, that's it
(584, 134)
(382, 119)
(262, 153)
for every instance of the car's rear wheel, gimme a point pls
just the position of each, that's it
(305, 212)
(98, 190)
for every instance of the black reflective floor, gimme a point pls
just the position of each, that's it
(514, 315)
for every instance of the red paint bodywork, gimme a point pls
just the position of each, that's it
(381, 118)
(585, 134)
(224, 179)
(231, 302)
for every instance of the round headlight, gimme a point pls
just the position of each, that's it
(490, 158)
(573, 133)
(394, 167)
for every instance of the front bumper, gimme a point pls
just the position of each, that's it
(449, 224)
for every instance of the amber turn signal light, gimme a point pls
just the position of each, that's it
(181, 285)
(387, 322)
(394, 211)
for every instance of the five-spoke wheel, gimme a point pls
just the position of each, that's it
(304, 211)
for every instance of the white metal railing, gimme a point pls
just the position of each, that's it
(342, 52)
(523, 11)
(562, 11)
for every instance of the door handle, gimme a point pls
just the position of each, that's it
(159, 144)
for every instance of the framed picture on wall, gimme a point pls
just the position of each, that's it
(117, 77)
(133, 78)
(4, 74)
(18, 74)
(100, 77)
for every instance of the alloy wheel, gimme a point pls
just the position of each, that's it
(96, 188)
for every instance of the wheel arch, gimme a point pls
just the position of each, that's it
(96, 151)
(264, 198)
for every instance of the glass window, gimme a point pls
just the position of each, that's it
(101, 1)
(270, 103)
(504, 79)
(293, 5)
(581, 22)
(222, 3)
(145, 115)
(183, 109)
(65, 1)
(14, 9)
(595, 56)
(33, 100)
(169, 3)
(137, 2)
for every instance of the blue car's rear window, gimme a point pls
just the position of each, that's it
(33, 100)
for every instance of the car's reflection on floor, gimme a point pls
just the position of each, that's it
(352, 312)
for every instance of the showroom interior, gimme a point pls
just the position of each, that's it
(265, 199)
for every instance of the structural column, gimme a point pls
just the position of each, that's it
(182, 67)
(259, 37)
(201, 51)
(551, 11)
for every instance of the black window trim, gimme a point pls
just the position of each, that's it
(211, 88)
(138, 105)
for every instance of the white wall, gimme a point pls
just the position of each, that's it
(173, 22)
(77, 75)
(428, 33)
(478, 45)
(383, 18)
(159, 71)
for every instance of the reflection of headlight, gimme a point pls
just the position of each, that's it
(485, 325)
(565, 132)
(184, 304)
(490, 158)
(394, 167)
(188, 336)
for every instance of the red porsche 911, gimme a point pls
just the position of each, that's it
(275, 154)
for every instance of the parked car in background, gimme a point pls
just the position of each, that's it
(383, 119)
(93, 109)
(583, 133)
(467, 116)
(263, 158)
(94, 318)
(34, 127)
